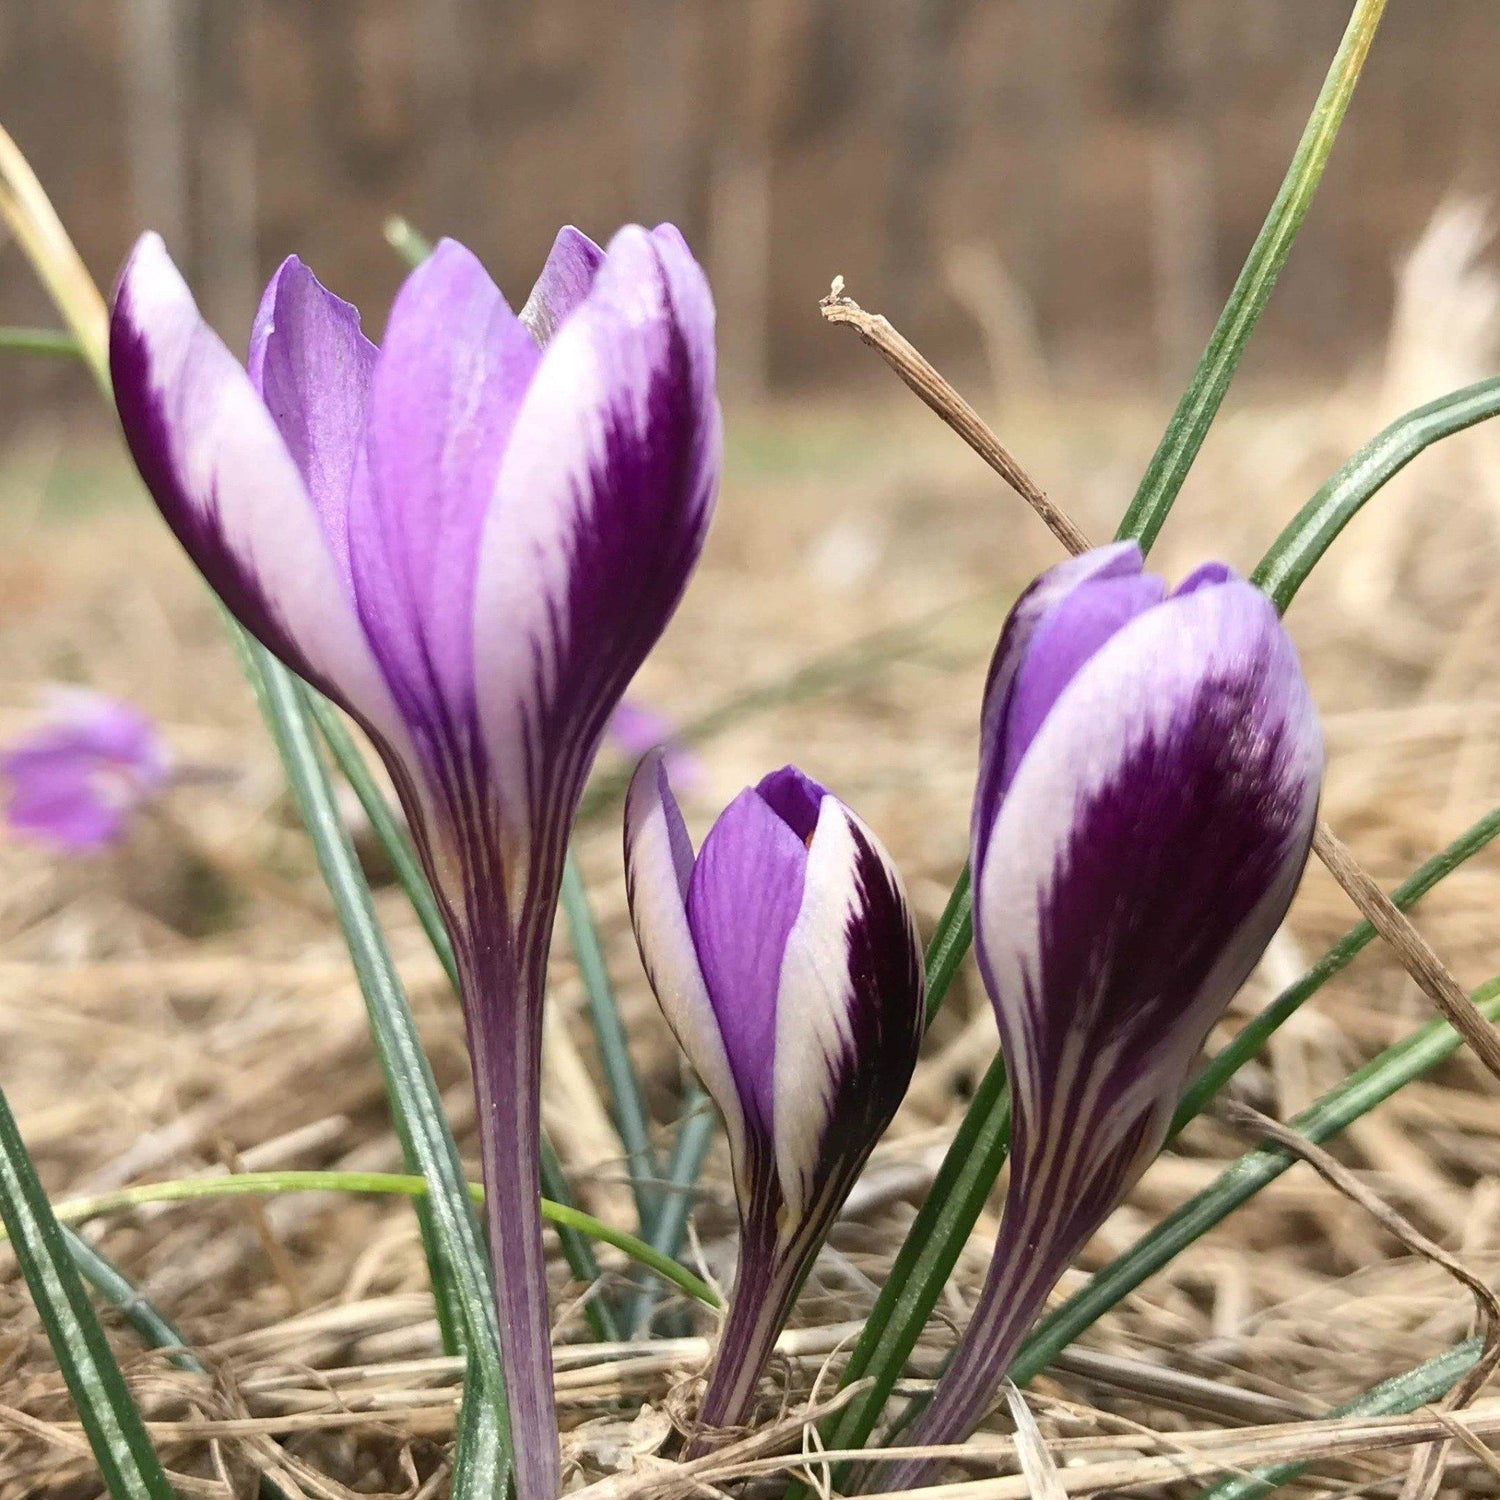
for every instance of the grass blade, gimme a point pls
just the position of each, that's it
(1401, 1393)
(1356, 1096)
(127, 1461)
(56, 342)
(258, 1184)
(626, 1106)
(1293, 555)
(1200, 404)
(950, 943)
(456, 1252)
(695, 1133)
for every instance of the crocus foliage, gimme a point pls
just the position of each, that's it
(786, 962)
(75, 780)
(1148, 782)
(469, 538)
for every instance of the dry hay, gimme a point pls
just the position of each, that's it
(184, 1005)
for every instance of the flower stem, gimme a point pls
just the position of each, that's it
(764, 1288)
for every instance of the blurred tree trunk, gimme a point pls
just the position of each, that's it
(660, 55)
(750, 46)
(225, 179)
(155, 137)
(447, 63)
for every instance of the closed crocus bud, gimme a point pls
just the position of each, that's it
(1148, 783)
(787, 964)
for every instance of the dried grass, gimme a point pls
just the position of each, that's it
(185, 1003)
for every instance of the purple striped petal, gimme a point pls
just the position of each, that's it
(1026, 622)
(312, 367)
(600, 511)
(849, 1012)
(446, 391)
(658, 869)
(743, 899)
(566, 278)
(221, 474)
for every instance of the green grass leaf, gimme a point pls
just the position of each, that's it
(1310, 533)
(626, 1107)
(406, 1185)
(1401, 1393)
(127, 1461)
(1200, 404)
(457, 1258)
(56, 342)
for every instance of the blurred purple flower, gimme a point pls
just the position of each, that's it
(786, 962)
(75, 780)
(469, 538)
(1149, 773)
(635, 728)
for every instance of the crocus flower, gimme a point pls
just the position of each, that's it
(636, 727)
(469, 538)
(75, 780)
(1148, 782)
(785, 959)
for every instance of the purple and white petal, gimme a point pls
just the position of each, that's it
(1120, 560)
(600, 510)
(569, 272)
(221, 474)
(312, 366)
(658, 868)
(1152, 838)
(447, 388)
(849, 1013)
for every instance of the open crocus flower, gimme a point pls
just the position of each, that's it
(1148, 782)
(469, 538)
(785, 959)
(75, 780)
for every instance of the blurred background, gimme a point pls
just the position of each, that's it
(1075, 179)
(1052, 199)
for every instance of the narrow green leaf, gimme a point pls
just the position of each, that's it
(418, 889)
(1293, 555)
(950, 943)
(1196, 411)
(158, 1331)
(1356, 1096)
(126, 1459)
(455, 1246)
(626, 1107)
(257, 1184)
(695, 1132)
(1401, 1393)
(56, 342)
(388, 829)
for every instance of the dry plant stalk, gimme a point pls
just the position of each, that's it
(1416, 954)
(1426, 1470)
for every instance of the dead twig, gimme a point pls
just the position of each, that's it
(1426, 1470)
(914, 368)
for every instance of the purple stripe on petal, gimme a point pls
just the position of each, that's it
(448, 383)
(220, 472)
(796, 799)
(572, 264)
(745, 894)
(601, 508)
(1029, 614)
(312, 366)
